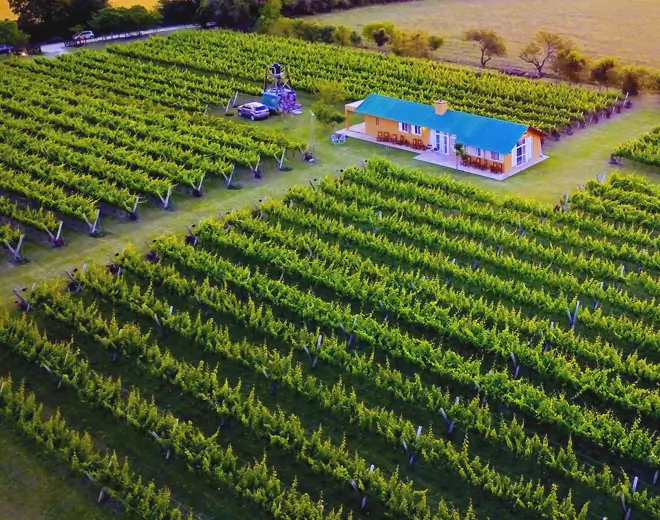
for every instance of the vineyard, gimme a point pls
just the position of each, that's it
(96, 134)
(383, 345)
(548, 107)
(645, 150)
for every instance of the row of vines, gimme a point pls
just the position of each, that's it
(383, 345)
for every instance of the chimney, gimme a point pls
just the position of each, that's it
(440, 106)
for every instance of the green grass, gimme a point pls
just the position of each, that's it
(34, 487)
(598, 27)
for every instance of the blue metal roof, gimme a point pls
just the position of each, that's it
(488, 133)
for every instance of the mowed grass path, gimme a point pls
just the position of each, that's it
(627, 30)
(5, 12)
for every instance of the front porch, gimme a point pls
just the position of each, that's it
(360, 132)
(448, 161)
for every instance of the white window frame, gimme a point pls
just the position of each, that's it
(496, 156)
(520, 152)
(416, 130)
(404, 127)
(529, 149)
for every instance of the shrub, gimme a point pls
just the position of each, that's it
(326, 114)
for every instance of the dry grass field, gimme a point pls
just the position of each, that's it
(600, 27)
(5, 12)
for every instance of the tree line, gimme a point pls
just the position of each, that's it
(549, 50)
(43, 20)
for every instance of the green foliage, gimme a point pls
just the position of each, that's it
(632, 79)
(411, 43)
(69, 144)
(546, 106)
(47, 18)
(331, 92)
(435, 42)
(644, 150)
(11, 35)
(369, 29)
(543, 50)
(326, 114)
(269, 14)
(123, 19)
(571, 65)
(604, 72)
(356, 39)
(342, 35)
(490, 43)
(209, 12)
(178, 11)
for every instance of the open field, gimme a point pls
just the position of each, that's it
(626, 30)
(334, 259)
(5, 12)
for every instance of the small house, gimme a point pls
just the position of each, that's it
(491, 145)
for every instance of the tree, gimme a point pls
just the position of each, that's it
(11, 35)
(542, 50)
(47, 18)
(603, 72)
(653, 83)
(632, 79)
(570, 65)
(331, 92)
(342, 35)
(411, 43)
(356, 39)
(178, 11)
(40, 18)
(209, 12)
(435, 42)
(490, 43)
(283, 27)
(369, 29)
(80, 12)
(326, 114)
(380, 37)
(270, 13)
(122, 19)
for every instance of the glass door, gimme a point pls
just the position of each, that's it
(444, 143)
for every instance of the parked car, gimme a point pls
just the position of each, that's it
(85, 35)
(254, 111)
(6, 49)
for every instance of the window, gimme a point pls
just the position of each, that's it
(378, 121)
(417, 130)
(523, 151)
(494, 156)
(478, 152)
(404, 127)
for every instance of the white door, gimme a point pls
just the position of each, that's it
(442, 142)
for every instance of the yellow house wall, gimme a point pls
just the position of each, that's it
(536, 150)
(373, 125)
(508, 162)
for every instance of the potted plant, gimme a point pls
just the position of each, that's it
(459, 148)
